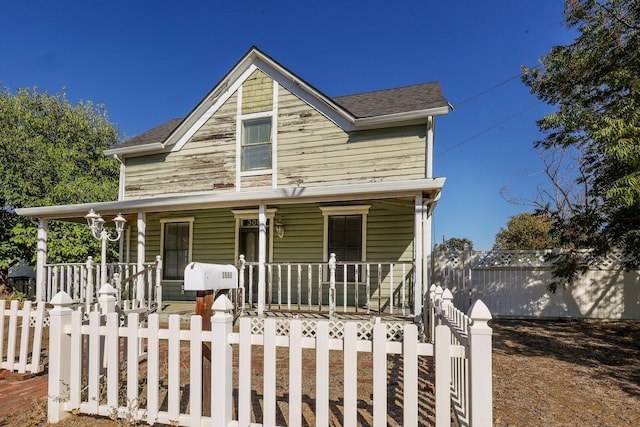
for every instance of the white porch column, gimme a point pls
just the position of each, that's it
(427, 245)
(419, 254)
(262, 255)
(142, 230)
(41, 259)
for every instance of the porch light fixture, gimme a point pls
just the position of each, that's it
(96, 224)
(279, 228)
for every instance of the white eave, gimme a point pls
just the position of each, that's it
(135, 149)
(399, 118)
(229, 199)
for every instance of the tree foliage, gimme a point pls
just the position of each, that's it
(454, 244)
(52, 153)
(595, 84)
(526, 231)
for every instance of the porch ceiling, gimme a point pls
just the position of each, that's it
(430, 188)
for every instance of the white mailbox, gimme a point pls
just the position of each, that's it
(206, 277)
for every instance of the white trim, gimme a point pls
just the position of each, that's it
(205, 200)
(418, 247)
(238, 140)
(240, 120)
(239, 215)
(211, 110)
(429, 149)
(274, 137)
(190, 220)
(328, 211)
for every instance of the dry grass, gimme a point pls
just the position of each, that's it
(545, 373)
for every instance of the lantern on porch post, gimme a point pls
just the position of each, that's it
(96, 224)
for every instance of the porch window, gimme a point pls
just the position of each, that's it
(176, 247)
(345, 235)
(256, 144)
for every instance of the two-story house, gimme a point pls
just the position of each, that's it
(269, 168)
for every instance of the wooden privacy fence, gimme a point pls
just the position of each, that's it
(21, 336)
(95, 369)
(514, 283)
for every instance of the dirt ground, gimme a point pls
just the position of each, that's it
(545, 373)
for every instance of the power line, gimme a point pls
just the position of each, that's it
(471, 98)
(486, 130)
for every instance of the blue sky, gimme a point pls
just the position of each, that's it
(151, 61)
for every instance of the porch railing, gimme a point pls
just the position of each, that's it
(81, 281)
(379, 287)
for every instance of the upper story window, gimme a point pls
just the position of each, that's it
(256, 144)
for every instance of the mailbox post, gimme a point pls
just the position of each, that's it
(206, 280)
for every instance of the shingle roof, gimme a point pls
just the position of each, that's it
(369, 104)
(157, 134)
(391, 101)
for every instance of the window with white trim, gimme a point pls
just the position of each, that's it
(345, 233)
(256, 145)
(176, 241)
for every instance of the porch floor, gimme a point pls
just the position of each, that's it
(188, 308)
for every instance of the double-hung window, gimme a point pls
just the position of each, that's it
(177, 235)
(256, 144)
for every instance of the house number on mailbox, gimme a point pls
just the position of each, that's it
(227, 275)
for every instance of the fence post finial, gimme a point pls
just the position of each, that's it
(480, 365)
(107, 298)
(60, 355)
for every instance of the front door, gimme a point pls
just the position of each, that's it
(249, 246)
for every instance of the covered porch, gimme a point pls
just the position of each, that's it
(291, 266)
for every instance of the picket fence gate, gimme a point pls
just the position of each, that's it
(21, 336)
(90, 357)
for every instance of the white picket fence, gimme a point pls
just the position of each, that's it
(469, 361)
(95, 369)
(21, 336)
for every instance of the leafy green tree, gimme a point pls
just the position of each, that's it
(595, 84)
(52, 153)
(454, 244)
(526, 231)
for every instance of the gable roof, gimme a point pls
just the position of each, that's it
(350, 112)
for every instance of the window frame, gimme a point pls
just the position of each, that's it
(240, 119)
(163, 222)
(328, 211)
(243, 145)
